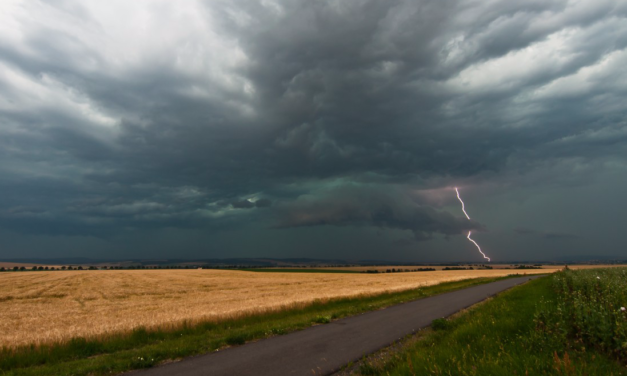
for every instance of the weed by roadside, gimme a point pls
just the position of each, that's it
(588, 311)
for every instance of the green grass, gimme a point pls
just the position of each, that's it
(143, 349)
(507, 335)
(303, 270)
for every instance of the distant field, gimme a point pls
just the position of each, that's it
(379, 268)
(383, 268)
(48, 307)
(548, 268)
(298, 270)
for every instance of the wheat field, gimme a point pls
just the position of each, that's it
(383, 268)
(51, 307)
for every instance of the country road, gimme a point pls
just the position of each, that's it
(324, 349)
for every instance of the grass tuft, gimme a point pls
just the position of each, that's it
(440, 324)
(322, 319)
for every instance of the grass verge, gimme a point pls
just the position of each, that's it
(503, 336)
(143, 348)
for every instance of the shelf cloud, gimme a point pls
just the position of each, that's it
(200, 120)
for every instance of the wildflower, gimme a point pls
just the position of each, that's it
(622, 309)
(598, 277)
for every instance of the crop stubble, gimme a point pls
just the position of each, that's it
(49, 307)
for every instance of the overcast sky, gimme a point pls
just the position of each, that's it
(323, 129)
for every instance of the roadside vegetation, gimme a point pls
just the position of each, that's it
(571, 323)
(589, 311)
(146, 348)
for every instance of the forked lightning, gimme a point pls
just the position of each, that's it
(470, 232)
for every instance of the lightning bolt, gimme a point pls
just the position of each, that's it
(460, 200)
(470, 232)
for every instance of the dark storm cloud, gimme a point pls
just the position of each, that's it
(244, 204)
(263, 203)
(209, 110)
(248, 204)
(382, 207)
(550, 235)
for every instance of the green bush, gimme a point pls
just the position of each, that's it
(322, 319)
(590, 310)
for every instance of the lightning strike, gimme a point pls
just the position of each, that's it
(460, 200)
(470, 232)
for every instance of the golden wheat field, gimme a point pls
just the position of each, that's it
(383, 268)
(48, 307)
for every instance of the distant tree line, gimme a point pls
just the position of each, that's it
(136, 267)
(15, 269)
(399, 270)
(537, 266)
(106, 267)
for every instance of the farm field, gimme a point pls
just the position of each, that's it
(547, 268)
(50, 307)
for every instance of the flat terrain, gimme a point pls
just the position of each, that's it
(322, 350)
(48, 307)
(547, 268)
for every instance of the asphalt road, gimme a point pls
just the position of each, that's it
(324, 349)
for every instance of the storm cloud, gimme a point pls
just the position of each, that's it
(118, 120)
(383, 207)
